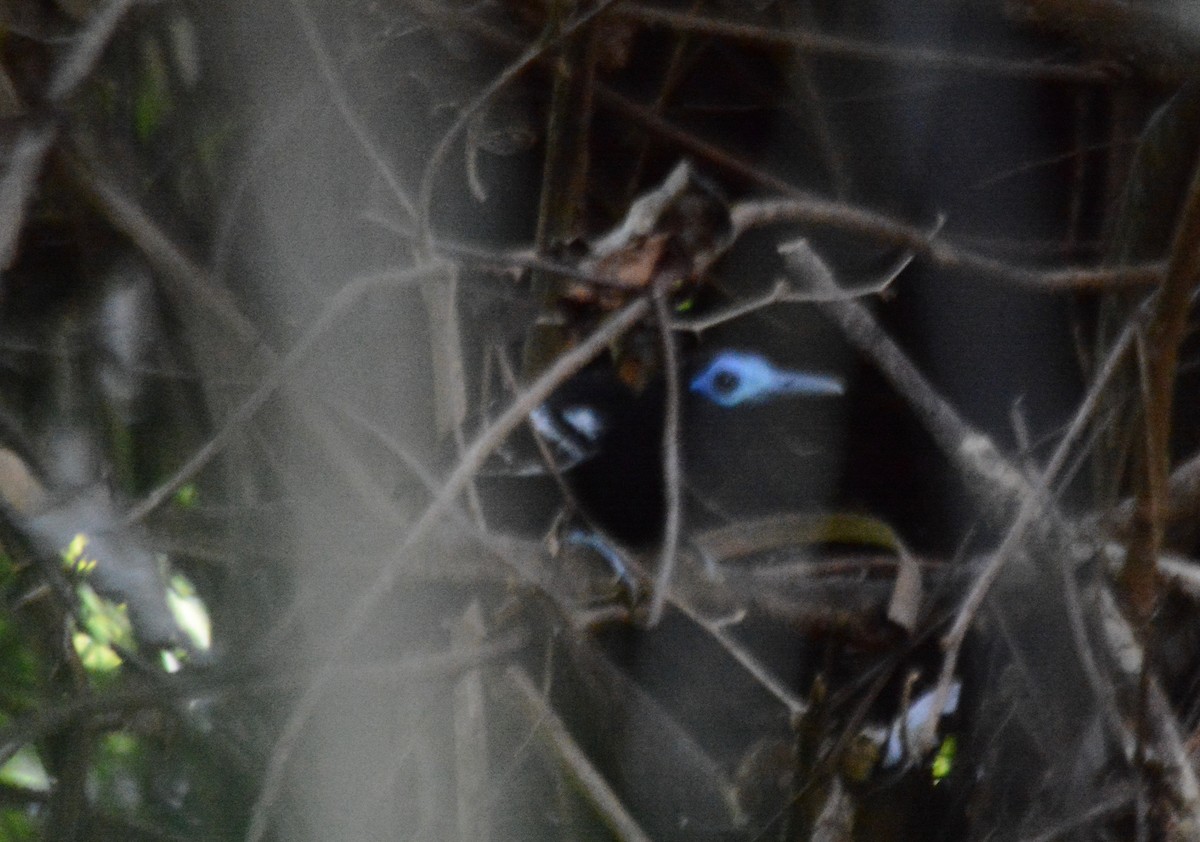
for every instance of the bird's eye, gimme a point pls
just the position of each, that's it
(725, 382)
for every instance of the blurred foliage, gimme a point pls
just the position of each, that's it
(154, 769)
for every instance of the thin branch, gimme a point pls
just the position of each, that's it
(672, 463)
(796, 706)
(1156, 39)
(565, 163)
(337, 93)
(637, 113)
(199, 289)
(591, 782)
(471, 728)
(341, 302)
(779, 293)
(20, 180)
(1163, 336)
(987, 472)
(193, 288)
(1100, 681)
(813, 108)
(160, 690)
(812, 210)
(1173, 752)
(672, 77)
(820, 44)
(817, 289)
(543, 447)
(89, 45)
(1183, 497)
(35, 141)
(1139, 580)
(1032, 507)
(488, 257)
(1114, 800)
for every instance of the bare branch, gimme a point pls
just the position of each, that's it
(89, 45)
(337, 93)
(18, 185)
(230, 426)
(820, 44)
(672, 462)
(1163, 335)
(813, 210)
(196, 286)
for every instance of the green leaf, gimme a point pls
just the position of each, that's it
(103, 625)
(25, 770)
(943, 761)
(73, 556)
(97, 658)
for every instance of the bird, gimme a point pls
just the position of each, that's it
(605, 438)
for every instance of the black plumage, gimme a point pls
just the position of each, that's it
(750, 442)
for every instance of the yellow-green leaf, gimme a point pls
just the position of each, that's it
(943, 761)
(25, 770)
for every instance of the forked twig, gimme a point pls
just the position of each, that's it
(819, 285)
(796, 707)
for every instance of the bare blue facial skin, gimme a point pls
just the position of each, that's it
(739, 378)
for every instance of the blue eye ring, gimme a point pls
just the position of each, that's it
(735, 378)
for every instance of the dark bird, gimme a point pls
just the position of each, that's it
(606, 439)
